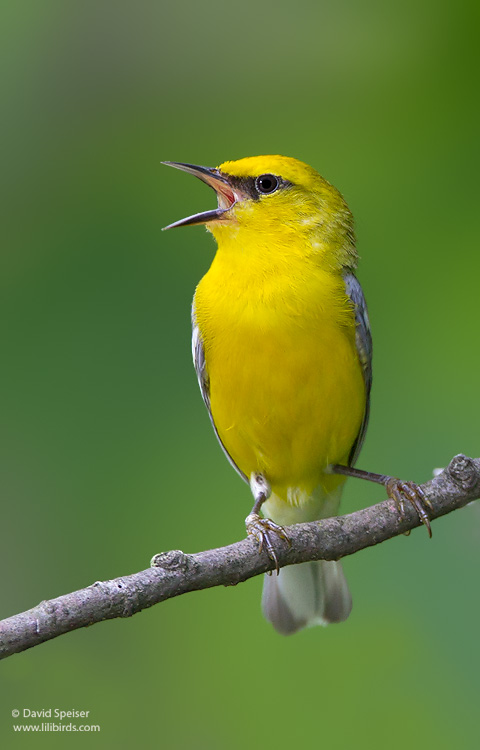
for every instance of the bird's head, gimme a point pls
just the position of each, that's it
(276, 201)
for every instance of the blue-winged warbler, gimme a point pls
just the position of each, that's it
(282, 351)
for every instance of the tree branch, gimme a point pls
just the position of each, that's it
(174, 573)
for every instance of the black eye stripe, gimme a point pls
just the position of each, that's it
(247, 185)
(244, 185)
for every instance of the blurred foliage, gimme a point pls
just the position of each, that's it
(107, 455)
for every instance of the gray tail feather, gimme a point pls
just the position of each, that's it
(313, 593)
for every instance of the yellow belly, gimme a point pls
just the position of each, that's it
(286, 390)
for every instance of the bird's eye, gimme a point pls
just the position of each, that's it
(267, 183)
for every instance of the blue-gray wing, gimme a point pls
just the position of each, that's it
(363, 340)
(200, 365)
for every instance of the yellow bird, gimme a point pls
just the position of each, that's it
(282, 351)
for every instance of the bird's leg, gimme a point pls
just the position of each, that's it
(259, 527)
(396, 490)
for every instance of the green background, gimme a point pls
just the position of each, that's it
(107, 454)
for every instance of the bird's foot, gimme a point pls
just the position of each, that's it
(262, 529)
(401, 492)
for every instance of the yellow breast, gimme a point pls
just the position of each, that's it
(286, 389)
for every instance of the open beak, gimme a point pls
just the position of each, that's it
(225, 194)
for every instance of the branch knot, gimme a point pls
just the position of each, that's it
(462, 471)
(175, 559)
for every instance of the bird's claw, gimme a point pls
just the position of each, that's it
(400, 492)
(261, 529)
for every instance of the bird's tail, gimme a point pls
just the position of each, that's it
(313, 593)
